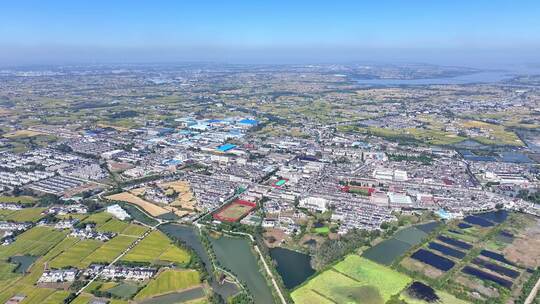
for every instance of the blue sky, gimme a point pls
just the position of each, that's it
(268, 31)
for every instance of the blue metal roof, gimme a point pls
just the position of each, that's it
(226, 147)
(248, 122)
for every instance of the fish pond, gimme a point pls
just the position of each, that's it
(446, 250)
(505, 237)
(421, 291)
(496, 268)
(476, 220)
(454, 242)
(464, 225)
(387, 251)
(486, 276)
(498, 216)
(293, 267)
(23, 262)
(496, 256)
(432, 259)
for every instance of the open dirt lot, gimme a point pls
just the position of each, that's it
(185, 199)
(525, 249)
(22, 133)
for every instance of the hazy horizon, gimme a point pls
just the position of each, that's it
(478, 34)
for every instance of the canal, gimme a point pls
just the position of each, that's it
(190, 236)
(235, 254)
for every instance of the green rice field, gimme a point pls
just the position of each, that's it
(353, 280)
(157, 247)
(444, 298)
(168, 281)
(36, 241)
(17, 199)
(112, 225)
(98, 218)
(75, 255)
(23, 215)
(109, 250)
(56, 297)
(123, 228)
(123, 290)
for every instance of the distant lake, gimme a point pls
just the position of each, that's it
(293, 267)
(513, 157)
(481, 77)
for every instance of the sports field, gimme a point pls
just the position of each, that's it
(322, 230)
(168, 281)
(234, 211)
(354, 280)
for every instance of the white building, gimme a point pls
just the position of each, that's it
(314, 203)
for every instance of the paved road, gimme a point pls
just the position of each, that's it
(533, 293)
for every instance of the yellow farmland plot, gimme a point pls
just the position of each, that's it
(22, 133)
(127, 197)
(109, 250)
(75, 255)
(134, 230)
(36, 241)
(98, 218)
(498, 135)
(168, 281)
(157, 247)
(23, 215)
